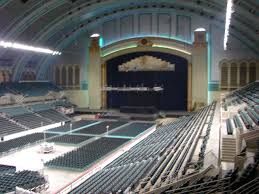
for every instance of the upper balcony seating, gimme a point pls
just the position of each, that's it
(25, 179)
(39, 107)
(32, 88)
(62, 103)
(83, 156)
(14, 111)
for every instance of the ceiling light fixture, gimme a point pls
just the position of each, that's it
(28, 48)
(229, 12)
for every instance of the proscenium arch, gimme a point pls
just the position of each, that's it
(125, 47)
(131, 45)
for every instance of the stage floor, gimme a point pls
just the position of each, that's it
(116, 114)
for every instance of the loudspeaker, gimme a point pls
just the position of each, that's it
(2, 138)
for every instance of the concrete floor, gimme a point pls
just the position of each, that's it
(31, 159)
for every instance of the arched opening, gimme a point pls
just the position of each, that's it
(70, 76)
(57, 76)
(174, 82)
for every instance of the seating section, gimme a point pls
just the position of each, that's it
(32, 88)
(70, 139)
(53, 115)
(6, 169)
(39, 107)
(133, 129)
(165, 153)
(62, 103)
(74, 126)
(114, 179)
(101, 127)
(31, 120)
(14, 111)
(26, 179)
(7, 127)
(18, 143)
(83, 156)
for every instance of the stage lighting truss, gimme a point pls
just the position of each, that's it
(15, 45)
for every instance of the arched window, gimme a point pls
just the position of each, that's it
(70, 76)
(57, 76)
(252, 72)
(242, 74)
(64, 76)
(77, 76)
(233, 72)
(224, 75)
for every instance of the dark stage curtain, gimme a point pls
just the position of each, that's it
(174, 96)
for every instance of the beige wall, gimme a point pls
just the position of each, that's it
(78, 97)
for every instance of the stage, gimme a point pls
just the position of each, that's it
(117, 114)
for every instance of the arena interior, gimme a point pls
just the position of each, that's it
(129, 96)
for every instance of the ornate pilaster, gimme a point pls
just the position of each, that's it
(200, 69)
(94, 89)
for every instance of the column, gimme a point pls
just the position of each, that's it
(189, 92)
(247, 73)
(200, 69)
(60, 74)
(104, 83)
(257, 70)
(74, 75)
(229, 76)
(67, 76)
(238, 75)
(94, 82)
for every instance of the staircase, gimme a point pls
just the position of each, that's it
(228, 152)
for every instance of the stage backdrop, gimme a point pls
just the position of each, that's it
(174, 96)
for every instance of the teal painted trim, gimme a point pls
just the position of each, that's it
(118, 136)
(213, 87)
(84, 85)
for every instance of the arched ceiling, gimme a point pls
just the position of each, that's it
(52, 22)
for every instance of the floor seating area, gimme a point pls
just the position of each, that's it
(29, 180)
(70, 139)
(179, 136)
(20, 142)
(72, 126)
(132, 130)
(85, 155)
(100, 128)
(4, 169)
